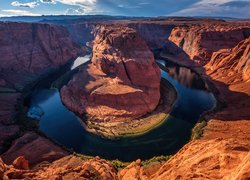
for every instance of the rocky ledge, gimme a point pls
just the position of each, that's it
(120, 85)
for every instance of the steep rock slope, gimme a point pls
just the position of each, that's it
(28, 52)
(122, 81)
(32, 47)
(200, 41)
(232, 65)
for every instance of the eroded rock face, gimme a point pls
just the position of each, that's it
(69, 167)
(34, 46)
(122, 81)
(200, 41)
(231, 64)
(133, 171)
(225, 159)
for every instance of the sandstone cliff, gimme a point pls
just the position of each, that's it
(28, 52)
(232, 65)
(122, 81)
(200, 41)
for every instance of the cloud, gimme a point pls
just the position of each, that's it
(216, 8)
(48, 1)
(28, 5)
(72, 11)
(87, 6)
(14, 12)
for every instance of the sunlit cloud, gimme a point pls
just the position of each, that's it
(28, 5)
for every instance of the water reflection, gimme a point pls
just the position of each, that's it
(184, 76)
(80, 60)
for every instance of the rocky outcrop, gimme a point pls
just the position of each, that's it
(34, 148)
(123, 80)
(21, 163)
(213, 159)
(232, 65)
(69, 167)
(72, 167)
(200, 41)
(133, 171)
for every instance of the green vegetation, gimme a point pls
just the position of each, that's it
(119, 164)
(156, 159)
(197, 131)
(84, 157)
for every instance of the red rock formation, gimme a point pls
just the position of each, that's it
(133, 171)
(232, 65)
(213, 159)
(122, 81)
(70, 167)
(200, 41)
(32, 47)
(34, 148)
(21, 163)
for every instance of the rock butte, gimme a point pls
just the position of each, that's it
(221, 153)
(122, 81)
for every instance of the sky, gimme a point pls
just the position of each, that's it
(211, 8)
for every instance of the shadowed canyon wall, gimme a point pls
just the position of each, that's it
(28, 52)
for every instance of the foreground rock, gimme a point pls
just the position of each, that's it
(70, 167)
(213, 159)
(34, 148)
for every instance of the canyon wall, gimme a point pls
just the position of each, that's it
(28, 52)
(200, 41)
(33, 47)
(82, 33)
(231, 64)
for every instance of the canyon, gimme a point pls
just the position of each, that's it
(216, 50)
